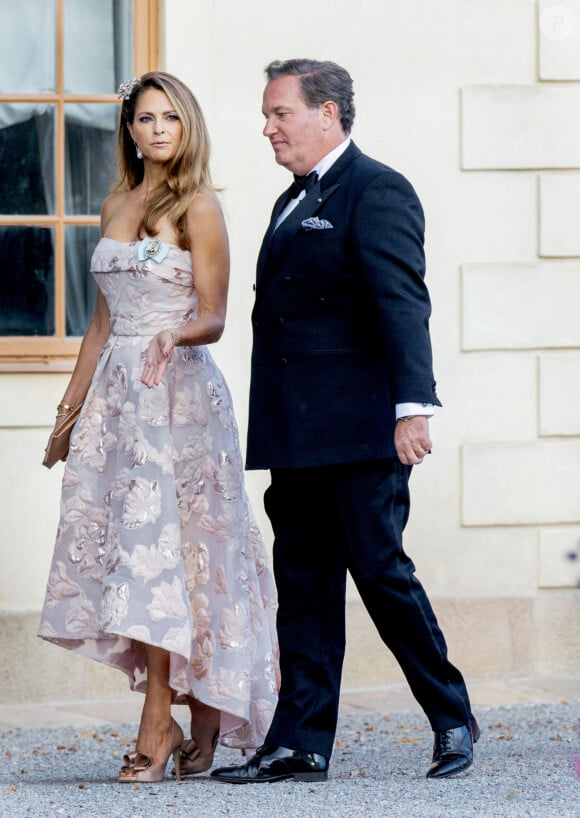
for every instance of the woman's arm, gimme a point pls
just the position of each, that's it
(210, 259)
(91, 347)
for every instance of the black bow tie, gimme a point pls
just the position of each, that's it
(303, 183)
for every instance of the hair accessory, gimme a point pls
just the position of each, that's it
(125, 88)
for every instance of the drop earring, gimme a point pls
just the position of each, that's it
(138, 150)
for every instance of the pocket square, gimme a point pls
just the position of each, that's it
(314, 223)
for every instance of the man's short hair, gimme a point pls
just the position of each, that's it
(320, 82)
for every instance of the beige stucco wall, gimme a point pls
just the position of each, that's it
(477, 102)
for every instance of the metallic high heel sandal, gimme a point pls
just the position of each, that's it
(191, 759)
(140, 768)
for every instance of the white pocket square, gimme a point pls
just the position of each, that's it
(314, 223)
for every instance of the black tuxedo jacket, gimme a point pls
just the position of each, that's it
(340, 320)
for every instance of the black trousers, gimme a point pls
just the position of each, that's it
(326, 521)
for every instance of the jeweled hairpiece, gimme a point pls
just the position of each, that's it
(125, 88)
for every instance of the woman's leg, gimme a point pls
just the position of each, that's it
(157, 730)
(205, 725)
(197, 753)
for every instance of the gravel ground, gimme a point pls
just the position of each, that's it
(527, 764)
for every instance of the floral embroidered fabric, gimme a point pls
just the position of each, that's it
(157, 543)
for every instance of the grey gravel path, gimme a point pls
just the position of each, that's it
(525, 766)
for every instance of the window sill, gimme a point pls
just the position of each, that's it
(38, 365)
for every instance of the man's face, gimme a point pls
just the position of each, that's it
(296, 132)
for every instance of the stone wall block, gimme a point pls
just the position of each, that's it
(30, 512)
(514, 127)
(521, 483)
(486, 637)
(560, 214)
(512, 306)
(556, 633)
(559, 39)
(559, 385)
(35, 670)
(559, 557)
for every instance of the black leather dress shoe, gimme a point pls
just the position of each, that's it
(273, 763)
(453, 750)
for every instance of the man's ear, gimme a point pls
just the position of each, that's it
(330, 114)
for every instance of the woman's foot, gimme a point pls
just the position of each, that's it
(197, 753)
(148, 762)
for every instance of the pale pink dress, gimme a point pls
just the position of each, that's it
(157, 543)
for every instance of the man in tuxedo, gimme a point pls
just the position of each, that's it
(341, 391)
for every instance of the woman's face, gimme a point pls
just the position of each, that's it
(156, 128)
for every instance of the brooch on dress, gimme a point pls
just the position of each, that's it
(152, 249)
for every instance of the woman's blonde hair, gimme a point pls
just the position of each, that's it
(187, 172)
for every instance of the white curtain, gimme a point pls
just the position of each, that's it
(97, 55)
(97, 58)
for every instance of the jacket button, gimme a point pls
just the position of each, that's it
(254, 287)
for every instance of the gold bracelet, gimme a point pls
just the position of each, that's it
(175, 336)
(66, 406)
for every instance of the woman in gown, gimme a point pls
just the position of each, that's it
(159, 568)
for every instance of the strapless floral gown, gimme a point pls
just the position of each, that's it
(156, 542)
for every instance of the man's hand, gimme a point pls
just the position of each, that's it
(412, 440)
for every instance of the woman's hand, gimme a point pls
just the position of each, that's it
(157, 357)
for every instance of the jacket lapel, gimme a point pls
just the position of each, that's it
(279, 206)
(275, 241)
(307, 207)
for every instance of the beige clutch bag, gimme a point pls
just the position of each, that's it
(58, 442)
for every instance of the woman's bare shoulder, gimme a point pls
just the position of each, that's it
(206, 199)
(113, 201)
(204, 206)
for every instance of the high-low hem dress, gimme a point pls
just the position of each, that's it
(157, 544)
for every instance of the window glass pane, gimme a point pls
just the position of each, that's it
(98, 45)
(27, 151)
(26, 281)
(28, 47)
(81, 289)
(90, 134)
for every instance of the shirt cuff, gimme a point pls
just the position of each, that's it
(403, 410)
